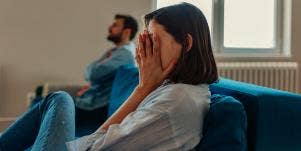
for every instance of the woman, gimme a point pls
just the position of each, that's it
(167, 108)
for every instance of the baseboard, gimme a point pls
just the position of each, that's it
(5, 122)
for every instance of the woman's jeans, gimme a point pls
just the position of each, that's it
(46, 126)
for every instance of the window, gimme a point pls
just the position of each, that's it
(244, 27)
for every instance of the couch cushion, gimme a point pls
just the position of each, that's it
(225, 126)
(125, 81)
(273, 116)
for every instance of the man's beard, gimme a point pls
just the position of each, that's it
(115, 38)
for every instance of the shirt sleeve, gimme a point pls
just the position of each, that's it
(98, 69)
(140, 130)
(85, 142)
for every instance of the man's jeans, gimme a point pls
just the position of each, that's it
(48, 125)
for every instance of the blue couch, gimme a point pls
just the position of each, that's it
(241, 117)
(274, 116)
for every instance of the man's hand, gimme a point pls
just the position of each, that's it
(83, 90)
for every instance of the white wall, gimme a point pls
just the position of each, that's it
(52, 41)
(1, 80)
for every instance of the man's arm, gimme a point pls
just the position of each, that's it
(97, 70)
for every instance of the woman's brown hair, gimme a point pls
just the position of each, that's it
(198, 64)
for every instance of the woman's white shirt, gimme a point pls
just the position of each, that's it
(169, 118)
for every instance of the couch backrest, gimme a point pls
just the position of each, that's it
(125, 81)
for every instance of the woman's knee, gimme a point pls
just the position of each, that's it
(59, 98)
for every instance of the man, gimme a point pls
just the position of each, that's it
(100, 73)
(91, 100)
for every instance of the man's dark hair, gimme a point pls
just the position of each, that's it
(198, 64)
(129, 22)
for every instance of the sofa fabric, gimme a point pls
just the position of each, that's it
(225, 126)
(125, 81)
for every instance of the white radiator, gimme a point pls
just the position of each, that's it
(277, 75)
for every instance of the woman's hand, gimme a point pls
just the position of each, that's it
(148, 57)
(151, 75)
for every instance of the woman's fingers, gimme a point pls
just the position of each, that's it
(156, 44)
(138, 57)
(148, 47)
(145, 49)
(141, 48)
(156, 49)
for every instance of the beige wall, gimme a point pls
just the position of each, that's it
(51, 41)
(54, 40)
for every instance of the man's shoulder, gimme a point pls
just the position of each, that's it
(129, 47)
(126, 50)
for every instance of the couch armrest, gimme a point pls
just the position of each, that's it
(225, 126)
